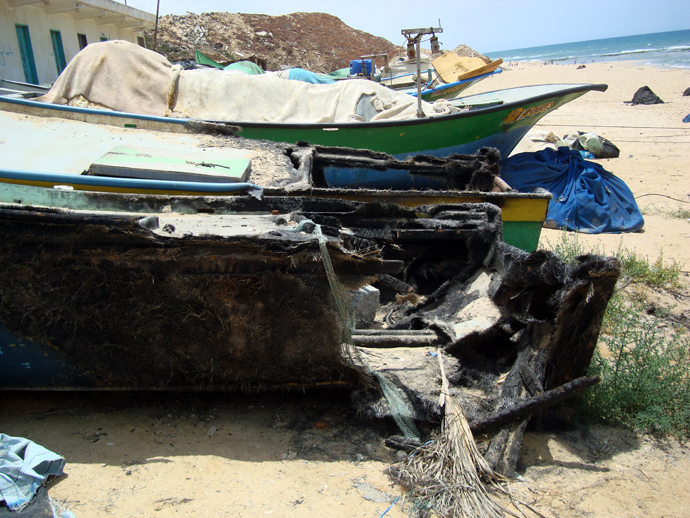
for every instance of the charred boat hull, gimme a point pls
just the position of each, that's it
(90, 300)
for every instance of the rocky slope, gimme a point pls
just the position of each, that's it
(314, 41)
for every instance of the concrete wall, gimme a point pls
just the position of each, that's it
(40, 24)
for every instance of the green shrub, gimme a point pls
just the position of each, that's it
(681, 212)
(655, 274)
(645, 382)
(646, 379)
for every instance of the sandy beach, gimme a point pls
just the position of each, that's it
(309, 455)
(653, 140)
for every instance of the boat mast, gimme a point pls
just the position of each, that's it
(414, 38)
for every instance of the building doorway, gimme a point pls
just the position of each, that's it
(27, 54)
(58, 50)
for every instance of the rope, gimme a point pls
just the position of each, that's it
(612, 126)
(663, 196)
(399, 409)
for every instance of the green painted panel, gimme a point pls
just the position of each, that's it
(522, 234)
(126, 162)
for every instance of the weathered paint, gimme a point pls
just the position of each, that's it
(28, 364)
(522, 214)
(122, 185)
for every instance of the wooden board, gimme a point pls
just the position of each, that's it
(125, 162)
(452, 67)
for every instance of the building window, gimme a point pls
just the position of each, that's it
(141, 41)
(58, 50)
(27, 54)
(82, 41)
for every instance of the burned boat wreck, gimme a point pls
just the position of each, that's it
(243, 300)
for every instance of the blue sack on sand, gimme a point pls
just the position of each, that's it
(586, 197)
(24, 466)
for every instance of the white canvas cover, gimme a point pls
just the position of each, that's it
(125, 77)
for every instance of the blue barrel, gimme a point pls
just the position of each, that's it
(357, 67)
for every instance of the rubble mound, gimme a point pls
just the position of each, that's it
(463, 50)
(315, 41)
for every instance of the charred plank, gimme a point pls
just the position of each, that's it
(532, 405)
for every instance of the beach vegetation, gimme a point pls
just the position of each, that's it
(644, 366)
(655, 273)
(680, 211)
(643, 357)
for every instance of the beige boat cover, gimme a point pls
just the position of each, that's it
(122, 76)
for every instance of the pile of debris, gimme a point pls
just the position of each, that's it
(463, 50)
(318, 42)
(314, 41)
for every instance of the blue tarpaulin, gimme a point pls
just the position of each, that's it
(24, 466)
(586, 197)
(299, 74)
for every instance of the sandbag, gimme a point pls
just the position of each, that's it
(586, 197)
(645, 96)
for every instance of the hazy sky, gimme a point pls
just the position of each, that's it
(485, 25)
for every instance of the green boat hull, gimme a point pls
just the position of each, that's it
(501, 125)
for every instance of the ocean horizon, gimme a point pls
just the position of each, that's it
(666, 49)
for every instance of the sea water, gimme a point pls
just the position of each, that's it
(668, 49)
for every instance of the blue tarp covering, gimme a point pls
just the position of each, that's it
(24, 466)
(586, 197)
(299, 74)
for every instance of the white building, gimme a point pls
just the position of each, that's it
(39, 37)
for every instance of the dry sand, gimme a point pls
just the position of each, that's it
(653, 140)
(300, 455)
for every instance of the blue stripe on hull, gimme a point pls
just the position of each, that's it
(163, 186)
(504, 141)
(25, 364)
